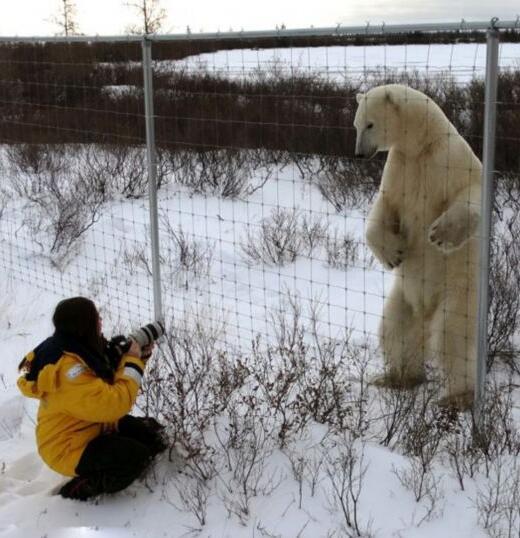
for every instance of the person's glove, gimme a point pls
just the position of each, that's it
(146, 351)
(115, 348)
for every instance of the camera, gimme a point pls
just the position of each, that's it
(148, 333)
(117, 346)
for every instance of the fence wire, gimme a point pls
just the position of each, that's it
(262, 205)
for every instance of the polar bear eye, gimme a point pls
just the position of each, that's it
(370, 125)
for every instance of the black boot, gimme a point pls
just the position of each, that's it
(81, 489)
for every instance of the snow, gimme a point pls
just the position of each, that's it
(121, 90)
(27, 506)
(340, 63)
(235, 292)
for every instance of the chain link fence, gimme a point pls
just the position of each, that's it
(214, 176)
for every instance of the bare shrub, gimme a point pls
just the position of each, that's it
(246, 444)
(324, 391)
(278, 240)
(504, 307)
(184, 258)
(36, 158)
(422, 430)
(495, 432)
(303, 377)
(360, 357)
(306, 464)
(309, 166)
(279, 367)
(5, 197)
(346, 183)
(313, 233)
(345, 468)
(283, 236)
(507, 193)
(280, 158)
(178, 388)
(335, 191)
(420, 479)
(66, 214)
(314, 467)
(412, 420)
(276, 376)
(342, 251)
(464, 457)
(396, 408)
(299, 463)
(426, 425)
(188, 385)
(111, 170)
(59, 206)
(497, 500)
(325, 388)
(121, 170)
(226, 173)
(475, 442)
(137, 259)
(193, 493)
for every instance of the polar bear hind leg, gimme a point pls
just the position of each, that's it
(453, 342)
(402, 336)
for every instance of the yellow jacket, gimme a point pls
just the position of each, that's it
(76, 405)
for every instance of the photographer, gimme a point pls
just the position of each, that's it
(83, 429)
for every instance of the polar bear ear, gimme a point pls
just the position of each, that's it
(390, 98)
(359, 96)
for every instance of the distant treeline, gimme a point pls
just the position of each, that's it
(92, 93)
(99, 51)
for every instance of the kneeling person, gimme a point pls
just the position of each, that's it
(83, 428)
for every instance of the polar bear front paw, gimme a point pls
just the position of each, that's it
(389, 249)
(452, 229)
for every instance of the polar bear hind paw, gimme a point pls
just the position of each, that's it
(394, 380)
(462, 401)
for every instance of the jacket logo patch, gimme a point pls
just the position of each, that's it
(75, 371)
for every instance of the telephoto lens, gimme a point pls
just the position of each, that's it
(148, 333)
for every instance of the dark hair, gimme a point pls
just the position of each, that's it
(78, 318)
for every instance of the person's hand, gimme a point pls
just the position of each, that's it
(134, 350)
(146, 351)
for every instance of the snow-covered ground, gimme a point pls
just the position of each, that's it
(242, 294)
(234, 289)
(462, 61)
(111, 266)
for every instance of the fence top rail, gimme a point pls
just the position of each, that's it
(368, 29)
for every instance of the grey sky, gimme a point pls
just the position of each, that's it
(30, 17)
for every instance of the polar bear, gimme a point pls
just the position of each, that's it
(423, 226)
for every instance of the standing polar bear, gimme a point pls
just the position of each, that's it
(423, 224)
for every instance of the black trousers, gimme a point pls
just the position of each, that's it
(111, 462)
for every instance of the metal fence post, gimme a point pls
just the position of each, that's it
(488, 164)
(152, 175)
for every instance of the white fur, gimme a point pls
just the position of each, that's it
(423, 224)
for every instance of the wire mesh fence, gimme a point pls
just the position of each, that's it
(74, 168)
(262, 204)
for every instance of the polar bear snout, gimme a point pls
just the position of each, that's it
(364, 149)
(366, 154)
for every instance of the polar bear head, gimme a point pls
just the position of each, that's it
(395, 116)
